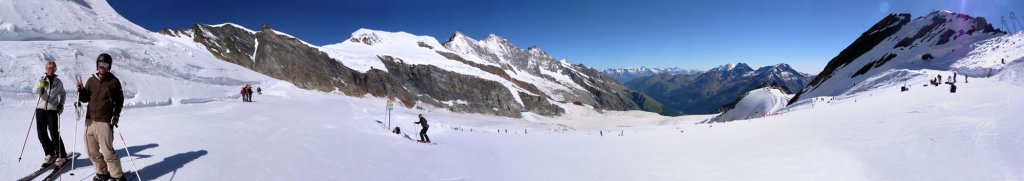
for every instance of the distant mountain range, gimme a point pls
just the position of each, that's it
(627, 74)
(714, 90)
(489, 76)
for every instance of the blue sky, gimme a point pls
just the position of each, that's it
(598, 33)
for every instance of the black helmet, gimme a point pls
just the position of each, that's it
(104, 58)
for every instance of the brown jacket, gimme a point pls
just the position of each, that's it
(105, 97)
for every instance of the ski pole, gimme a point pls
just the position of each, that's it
(30, 122)
(78, 106)
(123, 142)
(58, 145)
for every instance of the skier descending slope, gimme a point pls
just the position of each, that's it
(423, 132)
(106, 99)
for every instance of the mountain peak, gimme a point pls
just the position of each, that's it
(366, 32)
(781, 69)
(459, 36)
(731, 67)
(229, 24)
(373, 37)
(535, 50)
(781, 66)
(495, 38)
(66, 20)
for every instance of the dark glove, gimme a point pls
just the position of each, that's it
(60, 110)
(113, 120)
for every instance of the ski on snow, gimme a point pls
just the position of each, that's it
(60, 168)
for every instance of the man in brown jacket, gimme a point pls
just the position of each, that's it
(103, 93)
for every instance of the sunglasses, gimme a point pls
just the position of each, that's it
(51, 68)
(103, 65)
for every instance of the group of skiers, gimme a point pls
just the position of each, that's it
(247, 93)
(951, 80)
(106, 99)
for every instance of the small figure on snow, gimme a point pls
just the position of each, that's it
(242, 92)
(423, 132)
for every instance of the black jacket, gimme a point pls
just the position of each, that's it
(423, 122)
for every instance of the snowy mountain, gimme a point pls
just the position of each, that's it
(154, 70)
(184, 121)
(897, 45)
(66, 20)
(756, 103)
(716, 89)
(415, 69)
(562, 81)
(627, 74)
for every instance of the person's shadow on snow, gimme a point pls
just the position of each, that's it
(83, 161)
(170, 164)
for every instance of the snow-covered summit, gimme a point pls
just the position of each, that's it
(627, 74)
(374, 37)
(66, 20)
(756, 103)
(937, 41)
(154, 69)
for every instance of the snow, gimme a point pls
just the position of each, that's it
(757, 103)
(643, 70)
(207, 34)
(362, 57)
(986, 56)
(895, 78)
(492, 51)
(966, 54)
(234, 25)
(184, 122)
(65, 20)
(454, 102)
(1012, 73)
(464, 45)
(292, 37)
(924, 134)
(255, 49)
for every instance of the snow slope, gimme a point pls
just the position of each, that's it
(757, 103)
(362, 49)
(183, 123)
(65, 20)
(154, 69)
(987, 57)
(532, 65)
(289, 134)
(941, 40)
